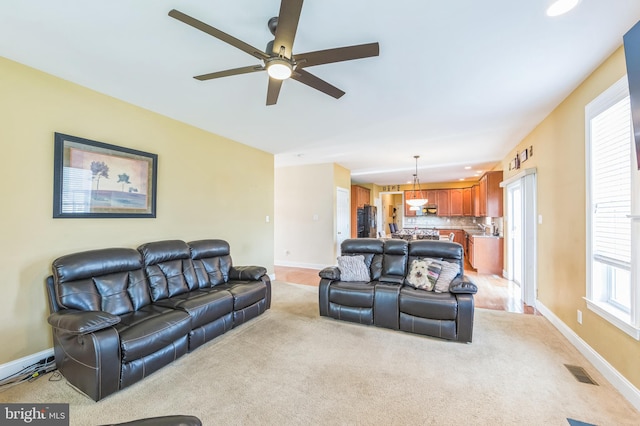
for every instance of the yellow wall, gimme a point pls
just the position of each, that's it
(208, 187)
(559, 155)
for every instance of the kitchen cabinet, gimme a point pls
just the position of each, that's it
(455, 202)
(466, 202)
(494, 194)
(482, 196)
(444, 208)
(475, 200)
(432, 197)
(485, 254)
(470, 249)
(490, 196)
(360, 197)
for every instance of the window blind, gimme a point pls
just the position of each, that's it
(611, 184)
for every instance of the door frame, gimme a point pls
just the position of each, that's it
(345, 218)
(528, 189)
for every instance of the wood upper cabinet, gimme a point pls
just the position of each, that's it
(475, 200)
(490, 196)
(360, 196)
(482, 196)
(432, 197)
(494, 194)
(444, 207)
(466, 202)
(456, 202)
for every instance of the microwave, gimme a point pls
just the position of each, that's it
(428, 210)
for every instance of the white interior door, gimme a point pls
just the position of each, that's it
(343, 217)
(514, 222)
(522, 235)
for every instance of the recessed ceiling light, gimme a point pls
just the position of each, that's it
(461, 179)
(560, 7)
(478, 171)
(467, 168)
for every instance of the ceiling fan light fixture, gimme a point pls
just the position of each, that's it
(279, 68)
(560, 7)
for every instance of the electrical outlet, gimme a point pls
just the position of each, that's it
(579, 316)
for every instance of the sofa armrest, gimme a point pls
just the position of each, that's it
(462, 285)
(82, 322)
(330, 273)
(252, 273)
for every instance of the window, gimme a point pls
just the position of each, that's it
(612, 291)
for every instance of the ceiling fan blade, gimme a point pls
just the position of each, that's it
(311, 80)
(287, 26)
(247, 48)
(227, 73)
(273, 90)
(339, 54)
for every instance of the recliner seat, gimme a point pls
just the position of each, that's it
(386, 301)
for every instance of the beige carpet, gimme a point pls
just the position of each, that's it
(289, 366)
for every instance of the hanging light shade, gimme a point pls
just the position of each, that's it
(417, 198)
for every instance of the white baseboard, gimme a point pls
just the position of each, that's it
(300, 264)
(13, 367)
(626, 388)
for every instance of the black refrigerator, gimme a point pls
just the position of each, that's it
(367, 227)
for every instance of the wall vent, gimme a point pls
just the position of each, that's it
(580, 374)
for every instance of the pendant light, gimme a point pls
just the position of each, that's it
(417, 196)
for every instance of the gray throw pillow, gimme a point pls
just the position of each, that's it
(353, 268)
(447, 274)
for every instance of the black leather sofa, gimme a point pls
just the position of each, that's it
(385, 300)
(120, 314)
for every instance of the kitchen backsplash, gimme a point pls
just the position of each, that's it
(452, 222)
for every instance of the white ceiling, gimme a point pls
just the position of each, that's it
(458, 82)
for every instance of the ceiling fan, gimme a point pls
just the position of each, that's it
(278, 58)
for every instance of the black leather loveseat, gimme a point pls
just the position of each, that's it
(120, 314)
(386, 300)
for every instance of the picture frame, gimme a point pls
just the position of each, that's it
(94, 179)
(524, 155)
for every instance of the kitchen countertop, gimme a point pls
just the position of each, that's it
(475, 233)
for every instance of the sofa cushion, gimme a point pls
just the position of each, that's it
(428, 304)
(110, 280)
(447, 274)
(423, 274)
(355, 294)
(169, 268)
(353, 268)
(150, 329)
(212, 261)
(203, 307)
(245, 293)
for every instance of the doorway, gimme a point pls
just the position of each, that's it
(514, 241)
(390, 211)
(521, 233)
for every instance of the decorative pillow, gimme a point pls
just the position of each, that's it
(448, 273)
(353, 268)
(423, 274)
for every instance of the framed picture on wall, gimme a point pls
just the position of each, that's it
(97, 180)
